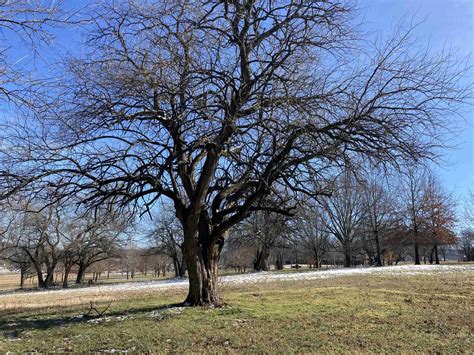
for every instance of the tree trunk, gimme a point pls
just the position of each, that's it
(201, 256)
(436, 254)
(179, 266)
(347, 256)
(279, 261)
(316, 262)
(378, 262)
(261, 261)
(22, 277)
(48, 281)
(80, 273)
(431, 258)
(417, 254)
(66, 277)
(39, 273)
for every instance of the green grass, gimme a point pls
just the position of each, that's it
(363, 313)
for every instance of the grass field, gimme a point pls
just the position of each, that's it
(380, 313)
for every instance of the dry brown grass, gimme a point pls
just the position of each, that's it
(364, 313)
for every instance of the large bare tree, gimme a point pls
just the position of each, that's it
(215, 105)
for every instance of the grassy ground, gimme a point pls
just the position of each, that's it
(11, 281)
(360, 313)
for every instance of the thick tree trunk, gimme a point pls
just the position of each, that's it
(417, 254)
(202, 258)
(48, 281)
(80, 273)
(65, 278)
(279, 262)
(436, 254)
(261, 260)
(317, 261)
(347, 256)
(39, 273)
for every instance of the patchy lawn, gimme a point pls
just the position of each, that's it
(370, 312)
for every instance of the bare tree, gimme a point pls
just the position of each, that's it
(238, 253)
(39, 236)
(264, 231)
(94, 236)
(167, 238)
(379, 215)
(466, 244)
(413, 206)
(312, 233)
(345, 212)
(215, 105)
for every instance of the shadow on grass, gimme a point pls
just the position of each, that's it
(13, 328)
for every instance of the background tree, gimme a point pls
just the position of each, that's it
(466, 244)
(440, 217)
(379, 215)
(265, 230)
(167, 238)
(312, 233)
(215, 105)
(39, 235)
(345, 212)
(94, 236)
(413, 206)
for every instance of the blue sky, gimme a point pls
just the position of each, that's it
(444, 23)
(447, 23)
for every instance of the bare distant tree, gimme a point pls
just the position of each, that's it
(215, 105)
(167, 238)
(413, 206)
(238, 253)
(345, 212)
(469, 210)
(38, 236)
(466, 244)
(379, 214)
(92, 237)
(312, 233)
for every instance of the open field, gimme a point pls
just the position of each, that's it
(410, 309)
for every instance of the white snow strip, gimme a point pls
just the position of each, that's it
(254, 278)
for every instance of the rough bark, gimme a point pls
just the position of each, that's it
(201, 253)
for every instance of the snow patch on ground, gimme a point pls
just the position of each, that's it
(4, 271)
(254, 278)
